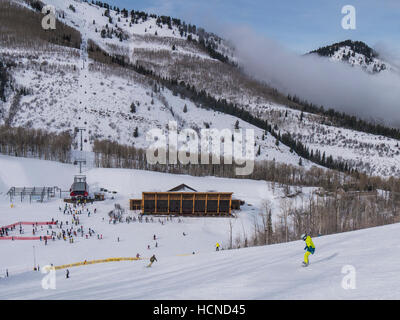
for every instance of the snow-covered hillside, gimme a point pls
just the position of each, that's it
(357, 54)
(65, 89)
(372, 154)
(68, 90)
(356, 59)
(119, 32)
(104, 107)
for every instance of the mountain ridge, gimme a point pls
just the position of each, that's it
(355, 53)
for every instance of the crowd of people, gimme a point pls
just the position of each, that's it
(129, 219)
(68, 229)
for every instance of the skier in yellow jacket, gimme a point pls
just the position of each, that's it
(310, 247)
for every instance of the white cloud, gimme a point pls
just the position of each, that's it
(318, 80)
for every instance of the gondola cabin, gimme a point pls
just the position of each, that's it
(79, 189)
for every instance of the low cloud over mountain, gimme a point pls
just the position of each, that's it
(318, 80)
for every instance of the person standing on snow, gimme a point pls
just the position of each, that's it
(310, 248)
(217, 247)
(152, 259)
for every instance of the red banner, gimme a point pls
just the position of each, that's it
(30, 224)
(24, 238)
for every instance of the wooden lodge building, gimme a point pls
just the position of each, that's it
(184, 200)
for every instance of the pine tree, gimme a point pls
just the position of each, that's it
(133, 108)
(185, 108)
(136, 132)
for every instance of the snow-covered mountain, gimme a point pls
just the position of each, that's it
(66, 89)
(355, 53)
(59, 86)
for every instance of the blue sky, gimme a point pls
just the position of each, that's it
(300, 25)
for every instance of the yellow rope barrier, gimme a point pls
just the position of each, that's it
(83, 263)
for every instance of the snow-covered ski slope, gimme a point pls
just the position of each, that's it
(268, 272)
(201, 233)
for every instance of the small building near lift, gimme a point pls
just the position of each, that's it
(184, 200)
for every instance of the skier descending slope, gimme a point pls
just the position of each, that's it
(152, 259)
(310, 247)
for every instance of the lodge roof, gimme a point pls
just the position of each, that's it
(182, 188)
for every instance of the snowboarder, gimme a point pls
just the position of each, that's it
(67, 274)
(152, 259)
(217, 247)
(310, 248)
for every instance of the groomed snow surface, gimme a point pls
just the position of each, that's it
(267, 272)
